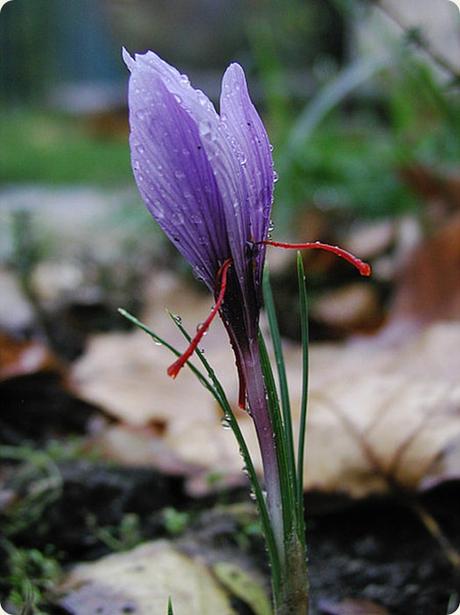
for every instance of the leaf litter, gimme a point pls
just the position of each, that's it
(381, 412)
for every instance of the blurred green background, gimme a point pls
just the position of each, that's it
(344, 121)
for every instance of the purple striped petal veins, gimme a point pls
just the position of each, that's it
(207, 179)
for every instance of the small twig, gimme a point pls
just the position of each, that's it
(436, 532)
(421, 41)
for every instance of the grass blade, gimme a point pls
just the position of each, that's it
(170, 607)
(281, 368)
(255, 484)
(304, 403)
(214, 386)
(287, 482)
(157, 339)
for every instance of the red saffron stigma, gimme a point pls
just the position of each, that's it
(363, 268)
(175, 368)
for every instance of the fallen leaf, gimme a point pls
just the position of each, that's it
(371, 239)
(36, 400)
(21, 358)
(354, 307)
(429, 285)
(433, 185)
(242, 584)
(141, 581)
(375, 418)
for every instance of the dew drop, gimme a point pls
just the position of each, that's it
(184, 79)
(177, 319)
(205, 128)
(157, 343)
(178, 98)
(225, 424)
(179, 174)
(178, 217)
(275, 176)
(202, 99)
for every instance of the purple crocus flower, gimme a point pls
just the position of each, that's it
(208, 179)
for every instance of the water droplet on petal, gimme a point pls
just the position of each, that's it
(205, 128)
(275, 176)
(202, 98)
(178, 217)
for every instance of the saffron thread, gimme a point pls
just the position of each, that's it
(175, 368)
(364, 268)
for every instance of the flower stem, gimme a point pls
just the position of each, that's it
(293, 595)
(258, 405)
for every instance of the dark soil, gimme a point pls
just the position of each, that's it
(380, 550)
(377, 549)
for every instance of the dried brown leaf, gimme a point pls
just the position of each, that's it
(429, 285)
(142, 581)
(379, 415)
(22, 358)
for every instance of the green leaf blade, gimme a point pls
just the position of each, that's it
(303, 304)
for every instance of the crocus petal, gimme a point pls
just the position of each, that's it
(245, 125)
(174, 174)
(221, 148)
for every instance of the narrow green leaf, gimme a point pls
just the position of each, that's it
(304, 403)
(216, 389)
(158, 340)
(282, 377)
(170, 607)
(255, 484)
(287, 482)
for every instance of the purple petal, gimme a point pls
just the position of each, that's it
(174, 175)
(220, 147)
(246, 127)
